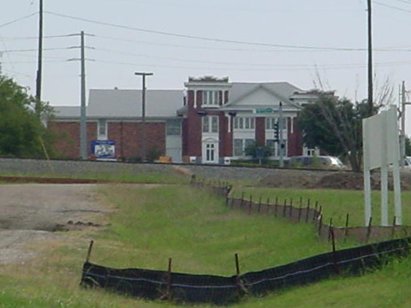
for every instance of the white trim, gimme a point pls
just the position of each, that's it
(210, 144)
(229, 122)
(195, 98)
(105, 135)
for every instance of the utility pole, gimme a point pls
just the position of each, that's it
(83, 120)
(143, 114)
(402, 140)
(280, 128)
(40, 60)
(370, 76)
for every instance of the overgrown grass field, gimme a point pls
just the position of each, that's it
(335, 203)
(152, 223)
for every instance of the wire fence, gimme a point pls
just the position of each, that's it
(221, 290)
(303, 211)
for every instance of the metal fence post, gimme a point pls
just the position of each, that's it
(169, 294)
(347, 219)
(90, 247)
(369, 229)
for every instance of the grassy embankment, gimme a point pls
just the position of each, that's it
(335, 203)
(201, 235)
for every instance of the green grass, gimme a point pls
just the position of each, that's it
(388, 287)
(151, 224)
(335, 203)
(200, 233)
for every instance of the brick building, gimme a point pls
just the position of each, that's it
(221, 118)
(114, 125)
(212, 121)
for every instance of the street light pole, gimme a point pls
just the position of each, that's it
(280, 128)
(143, 114)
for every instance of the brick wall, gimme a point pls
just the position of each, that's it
(260, 131)
(127, 137)
(67, 138)
(192, 138)
(295, 143)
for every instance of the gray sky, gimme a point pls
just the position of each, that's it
(297, 41)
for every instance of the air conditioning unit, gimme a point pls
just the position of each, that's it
(193, 159)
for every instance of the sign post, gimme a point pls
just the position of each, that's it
(381, 149)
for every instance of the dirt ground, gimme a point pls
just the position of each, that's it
(330, 179)
(33, 212)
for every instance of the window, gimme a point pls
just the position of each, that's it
(102, 129)
(244, 123)
(210, 152)
(248, 142)
(211, 98)
(240, 145)
(270, 122)
(275, 148)
(173, 128)
(210, 124)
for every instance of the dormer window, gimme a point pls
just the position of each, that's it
(212, 98)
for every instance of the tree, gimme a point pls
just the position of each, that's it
(257, 151)
(22, 133)
(335, 126)
(407, 146)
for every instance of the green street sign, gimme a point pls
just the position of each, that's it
(264, 110)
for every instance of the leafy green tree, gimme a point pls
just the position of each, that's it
(335, 126)
(407, 146)
(22, 133)
(258, 151)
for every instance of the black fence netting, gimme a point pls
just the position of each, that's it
(351, 261)
(151, 284)
(219, 290)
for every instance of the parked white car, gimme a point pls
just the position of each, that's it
(317, 162)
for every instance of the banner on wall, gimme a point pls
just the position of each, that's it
(104, 149)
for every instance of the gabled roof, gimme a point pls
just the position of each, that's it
(67, 112)
(122, 104)
(282, 90)
(128, 103)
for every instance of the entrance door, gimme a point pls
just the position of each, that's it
(210, 153)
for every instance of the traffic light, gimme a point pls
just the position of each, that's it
(276, 132)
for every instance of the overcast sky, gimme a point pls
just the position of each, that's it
(317, 43)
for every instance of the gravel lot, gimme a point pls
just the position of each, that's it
(32, 212)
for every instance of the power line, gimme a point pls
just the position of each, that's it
(188, 36)
(23, 38)
(17, 20)
(404, 1)
(382, 49)
(392, 7)
(268, 67)
(35, 50)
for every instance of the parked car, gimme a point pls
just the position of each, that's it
(316, 162)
